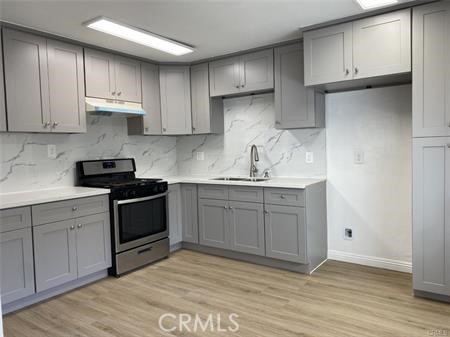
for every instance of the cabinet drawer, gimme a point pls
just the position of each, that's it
(245, 193)
(62, 210)
(15, 218)
(213, 192)
(284, 196)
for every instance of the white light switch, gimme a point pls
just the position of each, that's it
(358, 157)
(51, 151)
(309, 158)
(200, 155)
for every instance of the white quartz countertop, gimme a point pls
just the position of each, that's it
(280, 182)
(26, 198)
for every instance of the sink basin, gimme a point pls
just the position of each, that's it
(241, 179)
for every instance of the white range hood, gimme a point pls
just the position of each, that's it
(103, 107)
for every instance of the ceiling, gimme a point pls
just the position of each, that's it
(214, 27)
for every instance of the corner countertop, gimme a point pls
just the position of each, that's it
(280, 182)
(27, 198)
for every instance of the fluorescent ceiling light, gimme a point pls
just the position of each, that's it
(140, 36)
(370, 4)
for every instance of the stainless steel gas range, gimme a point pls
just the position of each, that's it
(138, 207)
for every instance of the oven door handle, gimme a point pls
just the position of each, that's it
(129, 201)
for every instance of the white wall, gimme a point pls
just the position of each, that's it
(374, 198)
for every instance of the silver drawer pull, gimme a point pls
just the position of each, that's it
(72, 227)
(225, 207)
(80, 225)
(266, 212)
(74, 208)
(448, 145)
(282, 197)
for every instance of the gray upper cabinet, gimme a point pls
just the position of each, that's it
(150, 124)
(189, 212)
(376, 46)
(382, 45)
(26, 74)
(2, 94)
(93, 244)
(224, 76)
(251, 72)
(328, 54)
(431, 219)
(66, 87)
(207, 112)
(175, 100)
(213, 223)
(247, 227)
(112, 77)
(296, 106)
(285, 233)
(55, 254)
(16, 264)
(431, 70)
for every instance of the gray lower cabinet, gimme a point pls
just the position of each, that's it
(2, 94)
(16, 263)
(296, 106)
(285, 233)
(246, 227)
(431, 217)
(213, 223)
(189, 212)
(175, 224)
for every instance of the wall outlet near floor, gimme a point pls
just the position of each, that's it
(348, 234)
(358, 157)
(309, 158)
(200, 155)
(51, 151)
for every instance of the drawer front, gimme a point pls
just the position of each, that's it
(284, 196)
(15, 218)
(246, 193)
(213, 192)
(63, 210)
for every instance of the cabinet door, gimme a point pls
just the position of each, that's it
(175, 100)
(175, 227)
(328, 54)
(128, 79)
(382, 45)
(431, 70)
(285, 230)
(93, 242)
(99, 74)
(55, 254)
(2, 94)
(247, 227)
(213, 223)
(431, 215)
(189, 212)
(151, 99)
(296, 106)
(26, 82)
(256, 71)
(66, 87)
(16, 265)
(224, 77)
(201, 108)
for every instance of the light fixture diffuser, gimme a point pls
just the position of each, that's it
(137, 35)
(371, 4)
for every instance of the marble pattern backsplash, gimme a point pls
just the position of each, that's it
(251, 120)
(24, 164)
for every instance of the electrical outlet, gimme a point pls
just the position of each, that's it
(348, 234)
(358, 157)
(200, 155)
(309, 158)
(51, 151)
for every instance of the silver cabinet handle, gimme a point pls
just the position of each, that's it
(356, 71)
(113, 93)
(230, 207)
(80, 225)
(46, 125)
(72, 227)
(74, 208)
(55, 124)
(448, 145)
(266, 212)
(146, 129)
(243, 85)
(225, 207)
(282, 196)
(119, 93)
(449, 124)
(347, 72)
(164, 129)
(237, 87)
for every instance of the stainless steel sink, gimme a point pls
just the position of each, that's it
(241, 179)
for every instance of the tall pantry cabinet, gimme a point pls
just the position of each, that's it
(431, 149)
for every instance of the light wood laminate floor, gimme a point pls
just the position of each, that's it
(339, 299)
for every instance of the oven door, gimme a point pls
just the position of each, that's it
(140, 221)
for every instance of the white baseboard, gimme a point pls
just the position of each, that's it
(371, 261)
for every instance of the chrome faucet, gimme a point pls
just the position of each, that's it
(254, 157)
